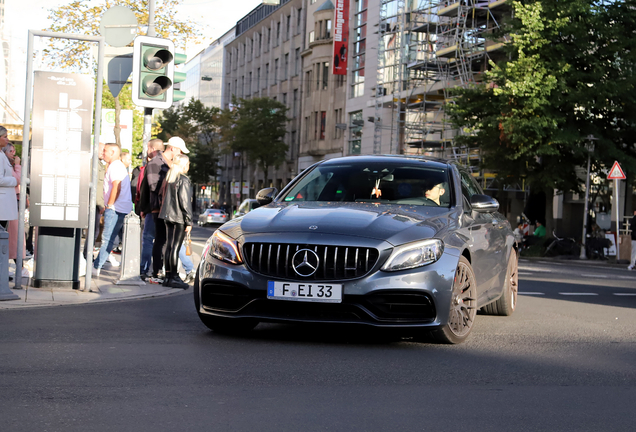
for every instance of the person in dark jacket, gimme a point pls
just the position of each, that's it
(156, 172)
(142, 204)
(176, 212)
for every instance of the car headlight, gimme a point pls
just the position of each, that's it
(225, 248)
(414, 254)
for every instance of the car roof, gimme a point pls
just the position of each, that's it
(408, 159)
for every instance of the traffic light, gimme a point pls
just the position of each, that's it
(153, 72)
(178, 95)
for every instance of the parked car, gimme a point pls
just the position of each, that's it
(212, 216)
(388, 241)
(246, 206)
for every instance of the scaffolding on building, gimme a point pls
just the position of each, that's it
(426, 49)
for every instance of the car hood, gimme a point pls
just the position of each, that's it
(394, 224)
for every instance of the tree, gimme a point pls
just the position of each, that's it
(198, 125)
(125, 102)
(83, 17)
(256, 128)
(570, 74)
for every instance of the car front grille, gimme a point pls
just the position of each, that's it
(334, 262)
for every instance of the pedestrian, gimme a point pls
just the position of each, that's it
(99, 195)
(176, 212)
(156, 171)
(8, 182)
(126, 158)
(188, 265)
(13, 225)
(134, 183)
(632, 227)
(118, 202)
(539, 231)
(142, 204)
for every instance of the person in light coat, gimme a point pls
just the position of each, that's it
(8, 202)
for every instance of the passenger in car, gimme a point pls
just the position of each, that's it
(435, 193)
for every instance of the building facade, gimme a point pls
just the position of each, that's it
(264, 60)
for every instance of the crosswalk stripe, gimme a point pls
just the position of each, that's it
(530, 293)
(625, 294)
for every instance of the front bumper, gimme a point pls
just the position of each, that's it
(411, 298)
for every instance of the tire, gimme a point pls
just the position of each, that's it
(231, 326)
(463, 306)
(507, 303)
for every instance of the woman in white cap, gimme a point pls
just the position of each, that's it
(176, 211)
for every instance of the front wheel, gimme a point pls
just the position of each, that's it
(463, 306)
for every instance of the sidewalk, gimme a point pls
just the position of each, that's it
(103, 289)
(575, 260)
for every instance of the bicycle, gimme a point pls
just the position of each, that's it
(562, 246)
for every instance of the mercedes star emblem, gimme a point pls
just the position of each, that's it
(313, 227)
(305, 262)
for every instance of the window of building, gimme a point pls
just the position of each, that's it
(259, 37)
(288, 27)
(355, 132)
(299, 20)
(242, 86)
(312, 1)
(327, 29)
(323, 124)
(229, 62)
(284, 99)
(297, 62)
(317, 69)
(325, 75)
(307, 126)
(286, 66)
(315, 125)
(311, 36)
(295, 104)
(276, 71)
(308, 82)
(266, 75)
(359, 48)
(249, 84)
(357, 85)
(277, 41)
(269, 39)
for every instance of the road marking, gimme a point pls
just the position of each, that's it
(594, 276)
(530, 293)
(578, 294)
(625, 294)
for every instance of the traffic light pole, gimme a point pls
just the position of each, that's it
(147, 132)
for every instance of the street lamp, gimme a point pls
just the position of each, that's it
(590, 149)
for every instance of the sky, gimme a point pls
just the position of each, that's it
(215, 17)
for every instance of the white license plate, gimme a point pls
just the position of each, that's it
(311, 292)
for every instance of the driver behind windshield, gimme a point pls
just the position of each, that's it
(435, 193)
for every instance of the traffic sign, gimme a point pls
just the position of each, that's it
(118, 26)
(616, 173)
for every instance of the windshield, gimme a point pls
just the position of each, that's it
(388, 183)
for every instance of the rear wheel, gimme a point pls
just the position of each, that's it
(507, 303)
(221, 324)
(463, 306)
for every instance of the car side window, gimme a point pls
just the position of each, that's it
(468, 186)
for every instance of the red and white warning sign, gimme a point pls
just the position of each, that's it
(616, 173)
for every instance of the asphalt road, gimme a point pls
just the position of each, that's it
(562, 362)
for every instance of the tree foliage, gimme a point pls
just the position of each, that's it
(198, 125)
(84, 17)
(257, 127)
(569, 75)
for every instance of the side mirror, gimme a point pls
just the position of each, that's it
(484, 204)
(266, 196)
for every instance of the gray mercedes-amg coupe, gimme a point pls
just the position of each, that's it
(386, 241)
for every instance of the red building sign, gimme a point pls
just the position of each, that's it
(341, 37)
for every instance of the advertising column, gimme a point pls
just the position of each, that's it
(60, 172)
